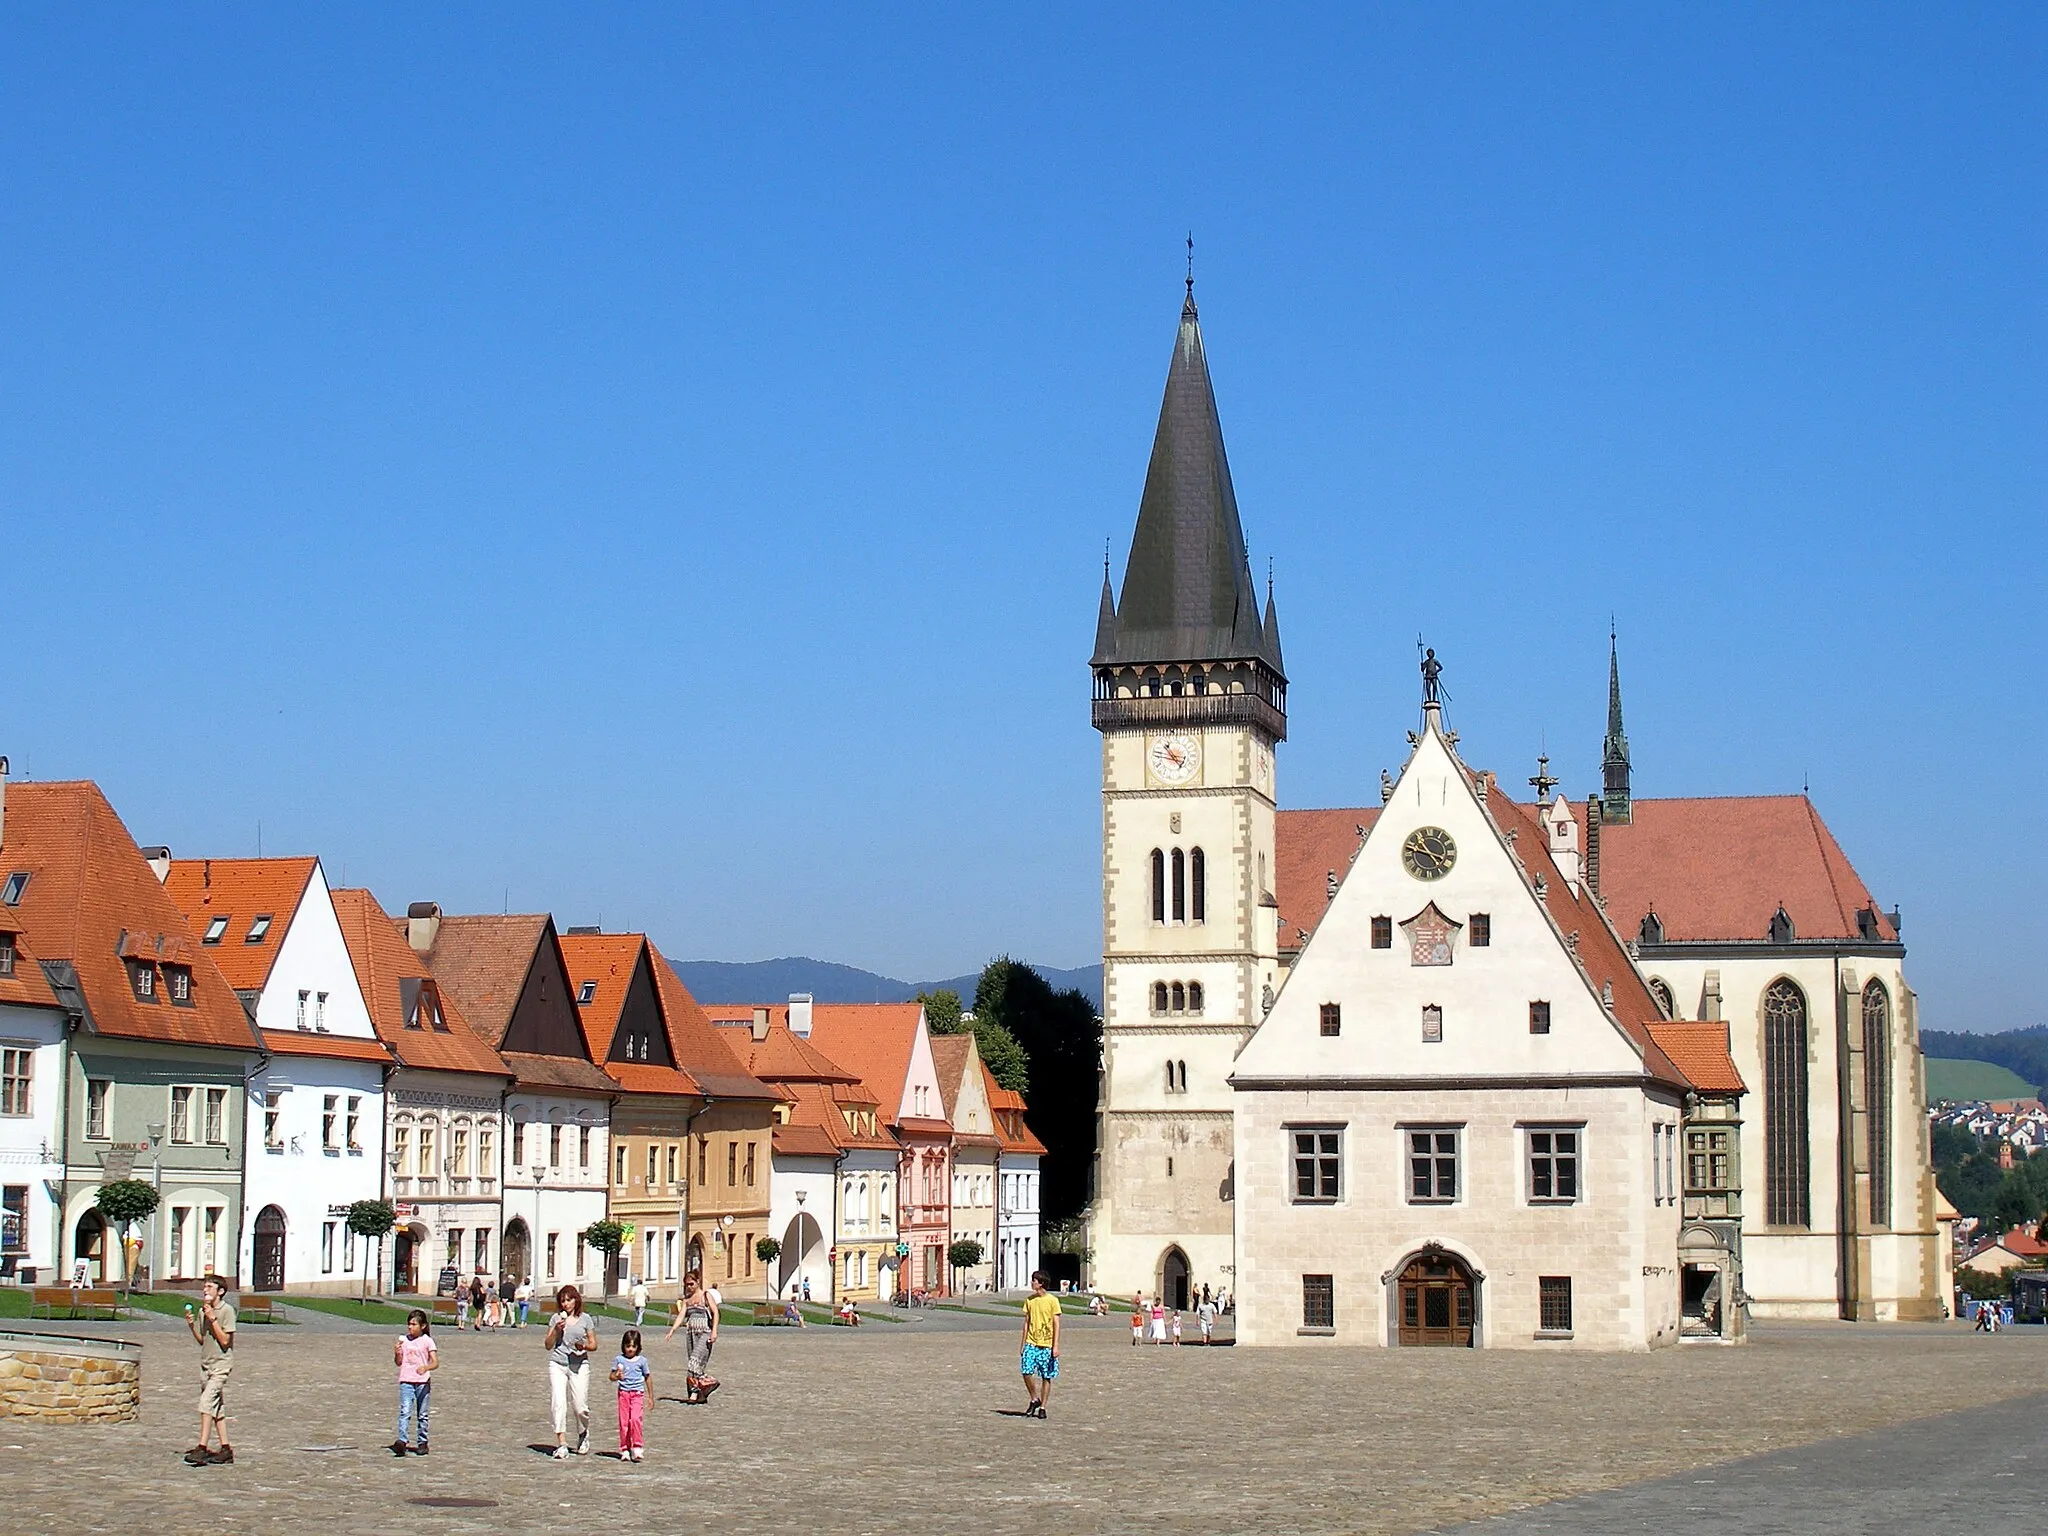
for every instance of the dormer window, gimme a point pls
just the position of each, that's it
(586, 992)
(259, 930)
(214, 929)
(16, 884)
(1651, 929)
(1781, 927)
(178, 981)
(142, 977)
(6, 954)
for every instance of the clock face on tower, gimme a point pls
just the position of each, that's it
(1174, 760)
(1429, 853)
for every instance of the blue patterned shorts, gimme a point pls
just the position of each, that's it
(1040, 1361)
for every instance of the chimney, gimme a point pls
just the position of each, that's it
(423, 926)
(159, 862)
(800, 1015)
(1593, 815)
(760, 1025)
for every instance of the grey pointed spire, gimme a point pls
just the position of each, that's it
(1188, 592)
(1614, 767)
(1105, 622)
(1272, 626)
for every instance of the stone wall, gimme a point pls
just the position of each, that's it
(69, 1380)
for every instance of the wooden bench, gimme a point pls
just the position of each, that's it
(769, 1314)
(90, 1301)
(259, 1308)
(841, 1320)
(444, 1309)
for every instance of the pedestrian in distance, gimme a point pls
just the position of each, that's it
(1138, 1318)
(417, 1360)
(571, 1337)
(476, 1302)
(213, 1329)
(807, 1288)
(1176, 1329)
(698, 1318)
(1158, 1320)
(461, 1306)
(1040, 1360)
(635, 1379)
(524, 1299)
(1206, 1317)
(639, 1301)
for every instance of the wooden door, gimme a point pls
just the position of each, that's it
(1435, 1299)
(269, 1250)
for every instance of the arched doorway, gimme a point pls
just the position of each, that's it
(801, 1240)
(694, 1262)
(90, 1244)
(1173, 1280)
(405, 1263)
(515, 1249)
(1436, 1301)
(269, 1254)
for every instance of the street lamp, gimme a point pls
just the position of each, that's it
(156, 1154)
(533, 1237)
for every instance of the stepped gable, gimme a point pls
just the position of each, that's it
(1718, 869)
(393, 980)
(91, 903)
(241, 890)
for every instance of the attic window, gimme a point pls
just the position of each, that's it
(586, 992)
(259, 930)
(6, 954)
(142, 977)
(178, 979)
(214, 930)
(16, 884)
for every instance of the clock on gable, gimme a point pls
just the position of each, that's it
(1428, 853)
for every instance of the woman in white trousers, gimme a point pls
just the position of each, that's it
(571, 1337)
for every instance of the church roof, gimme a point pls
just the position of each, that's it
(1188, 592)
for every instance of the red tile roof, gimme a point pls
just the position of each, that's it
(604, 963)
(483, 960)
(384, 965)
(873, 1041)
(27, 985)
(1010, 1110)
(779, 1057)
(701, 1048)
(1308, 847)
(950, 1054)
(241, 890)
(302, 1042)
(1701, 1051)
(91, 897)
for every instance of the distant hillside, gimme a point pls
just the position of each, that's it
(1964, 1080)
(770, 981)
(2024, 1051)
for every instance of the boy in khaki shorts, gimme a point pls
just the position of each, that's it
(213, 1327)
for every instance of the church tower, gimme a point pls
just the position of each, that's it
(1191, 698)
(1614, 801)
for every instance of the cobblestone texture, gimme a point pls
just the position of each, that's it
(887, 1429)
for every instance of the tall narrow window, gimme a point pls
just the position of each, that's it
(1180, 886)
(1479, 930)
(555, 1150)
(1194, 997)
(1333, 1018)
(1785, 1146)
(1877, 1098)
(518, 1143)
(1169, 1077)
(1198, 880)
(181, 1115)
(1383, 933)
(1158, 886)
(1539, 1018)
(1159, 997)
(1180, 998)
(96, 1091)
(15, 1076)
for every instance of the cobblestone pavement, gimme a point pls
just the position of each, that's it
(884, 1429)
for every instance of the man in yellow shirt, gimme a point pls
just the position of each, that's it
(1041, 1362)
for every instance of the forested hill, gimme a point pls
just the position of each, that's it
(2024, 1051)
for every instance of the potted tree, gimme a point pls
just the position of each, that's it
(964, 1253)
(125, 1202)
(767, 1250)
(608, 1237)
(369, 1219)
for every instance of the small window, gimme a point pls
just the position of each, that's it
(1554, 1304)
(1319, 1302)
(1432, 1024)
(178, 981)
(1432, 1166)
(17, 1075)
(1159, 997)
(259, 930)
(7, 953)
(142, 976)
(1539, 1018)
(1194, 997)
(1480, 930)
(16, 884)
(1554, 1166)
(181, 1116)
(214, 930)
(1318, 1164)
(96, 1091)
(586, 992)
(1180, 998)
(1383, 933)
(1333, 1018)
(1708, 1161)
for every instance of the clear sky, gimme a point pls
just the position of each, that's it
(656, 466)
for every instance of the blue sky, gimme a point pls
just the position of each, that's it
(655, 466)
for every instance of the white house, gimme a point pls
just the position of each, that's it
(1017, 1189)
(1455, 1126)
(314, 1129)
(976, 1150)
(32, 1069)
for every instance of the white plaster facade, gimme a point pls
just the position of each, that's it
(800, 1218)
(1448, 1047)
(557, 1150)
(1016, 1220)
(446, 1132)
(31, 1139)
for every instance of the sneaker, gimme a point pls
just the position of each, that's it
(639, 1454)
(1041, 1410)
(583, 1446)
(198, 1456)
(398, 1447)
(561, 1453)
(223, 1457)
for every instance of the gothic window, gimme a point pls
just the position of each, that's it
(1159, 997)
(1180, 998)
(1180, 886)
(1877, 1097)
(1169, 1077)
(1158, 886)
(1181, 1068)
(1194, 997)
(1666, 1004)
(1785, 1146)
(1198, 879)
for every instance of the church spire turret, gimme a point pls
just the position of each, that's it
(1614, 798)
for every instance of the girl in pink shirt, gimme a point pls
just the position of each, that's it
(417, 1360)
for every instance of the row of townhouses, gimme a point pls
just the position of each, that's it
(267, 1051)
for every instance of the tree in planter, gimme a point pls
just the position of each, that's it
(608, 1237)
(767, 1250)
(370, 1220)
(964, 1253)
(125, 1202)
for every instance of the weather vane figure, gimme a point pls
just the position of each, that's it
(1432, 678)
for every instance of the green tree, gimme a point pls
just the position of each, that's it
(125, 1202)
(2015, 1204)
(941, 1011)
(1061, 1039)
(370, 1220)
(767, 1250)
(607, 1237)
(962, 1253)
(1979, 1286)
(1000, 1052)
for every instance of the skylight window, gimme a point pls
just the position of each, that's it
(586, 992)
(214, 930)
(259, 930)
(16, 884)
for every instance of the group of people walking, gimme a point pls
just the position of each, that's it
(482, 1304)
(1157, 1324)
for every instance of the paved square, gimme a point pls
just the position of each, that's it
(913, 1427)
